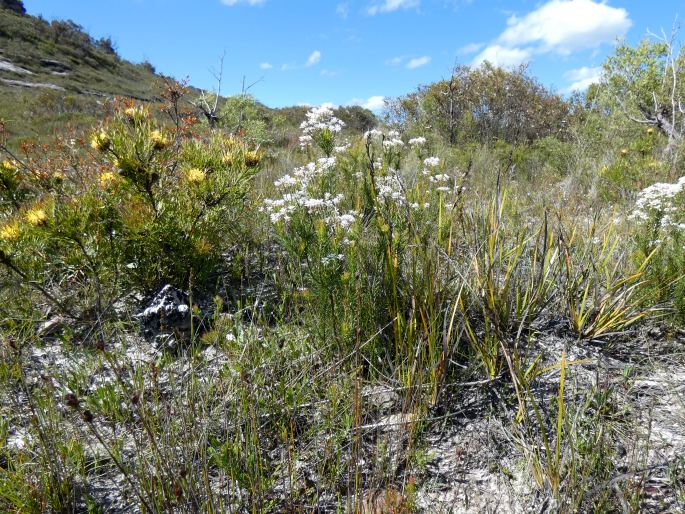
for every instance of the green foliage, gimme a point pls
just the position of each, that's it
(645, 84)
(243, 115)
(154, 203)
(485, 104)
(443, 274)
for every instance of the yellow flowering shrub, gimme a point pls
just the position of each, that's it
(10, 231)
(36, 216)
(195, 175)
(168, 218)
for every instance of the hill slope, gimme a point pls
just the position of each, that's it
(53, 73)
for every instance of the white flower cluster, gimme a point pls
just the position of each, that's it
(441, 182)
(319, 119)
(658, 199)
(332, 258)
(297, 195)
(390, 188)
(370, 134)
(417, 142)
(429, 163)
(393, 141)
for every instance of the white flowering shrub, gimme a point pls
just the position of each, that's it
(661, 206)
(320, 128)
(660, 217)
(352, 215)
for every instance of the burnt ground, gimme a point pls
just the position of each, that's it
(467, 454)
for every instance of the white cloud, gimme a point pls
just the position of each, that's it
(313, 59)
(417, 62)
(373, 103)
(565, 26)
(471, 48)
(396, 60)
(391, 6)
(557, 26)
(502, 56)
(231, 3)
(265, 66)
(343, 10)
(582, 78)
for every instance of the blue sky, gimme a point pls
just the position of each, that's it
(359, 51)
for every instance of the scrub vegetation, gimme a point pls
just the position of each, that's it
(473, 302)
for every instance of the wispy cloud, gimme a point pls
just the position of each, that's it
(503, 56)
(471, 48)
(343, 10)
(313, 59)
(231, 3)
(396, 61)
(557, 26)
(417, 62)
(265, 66)
(582, 78)
(391, 6)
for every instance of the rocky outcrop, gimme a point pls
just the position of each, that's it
(167, 312)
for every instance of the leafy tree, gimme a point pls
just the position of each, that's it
(242, 114)
(646, 83)
(485, 104)
(356, 118)
(107, 45)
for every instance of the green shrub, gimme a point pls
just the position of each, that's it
(148, 206)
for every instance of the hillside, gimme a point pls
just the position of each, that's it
(55, 76)
(52, 73)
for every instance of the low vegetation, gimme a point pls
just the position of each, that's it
(475, 304)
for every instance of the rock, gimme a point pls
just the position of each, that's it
(166, 313)
(381, 398)
(55, 66)
(393, 423)
(51, 327)
(36, 85)
(8, 66)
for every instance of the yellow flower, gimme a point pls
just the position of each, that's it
(134, 113)
(227, 159)
(159, 140)
(624, 152)
(252, 159)
(202, 246)
(58, 176)
(10, 232)
(100, 141)
(195, 175)
(36, 217)
(107, 178)
(131, 112)
(650, 131)
(10, 165)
